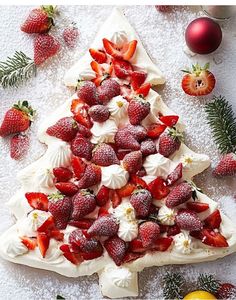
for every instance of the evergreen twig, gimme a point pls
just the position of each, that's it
(173, 286)
(208, 283)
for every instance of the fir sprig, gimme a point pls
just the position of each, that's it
(173, 286)
(15, 70)
(222, 120)
(208, 283)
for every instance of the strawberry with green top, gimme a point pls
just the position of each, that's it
(198, 82)
(169, 142)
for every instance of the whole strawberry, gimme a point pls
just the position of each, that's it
(83, 203)
(99, 113)
(60, 207)
(132, 162)
(138, 110)
(104, 155)
(40, 20)
(137, 131)
(148, 147)
(116, 248)
(226, 166)
(104, 226)
(70, 35)
(82, 147)
(108, 89)
(126, 140)
(169, 142)
(19, 146)
(45, 46)
(64, 129)
(141, 200)
(87, 92)
(188, 220)
(17, 119)
(149, 233)
(180, 194)
(91, 176)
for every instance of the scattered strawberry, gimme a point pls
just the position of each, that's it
(175, 175)
(82, 223)
(74, 258)
(17, 119)
(155, 130)
(19, 146)
(60, 207)
(162, 244)
(226, 166)
(116, 249)
(125, 52)
(45, 46)
(80, 112)
(98, 55)
(104, 226)
(143, 90)
(29, 242)
(130, 256)
(67, 188)
(43, 243)
(125, 140)
(198, 82)
(198, 207)
(87, 92)
(213, 221)
(139, 182)
(148, 147)
(180, 194)
(37, 200)
(83, 203)
(104, 155)
(137, 131)
(40, 20)
(64, 129)
(169, 142)
(138, 110)
(80, 146)
(62, 174)
(99, 113)
(56, 235)
(122, 68)
(188, 220)
(226, 291)
(169, 120)
(149, 233)
(137, 79)
(214, 239)
(141, 200)
(115, 198)
(47, 226)
(173, 230)
(158, 188)
(78, 166)
(103, 196)
(108, 89)
(132, 162)
(70, 35)
(102, 72)
(91, 176)
(136, 246)
(126, 190)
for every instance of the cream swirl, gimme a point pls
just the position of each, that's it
(114, 176)
(119, 38)
(44, 178)
(121, 277)
(59, 154)
(128, 230)
(124, 212)
(158, 165)
(87, 74)
(103, 132)
(118, 108)
(14, 246)
(183, 243)
(166, 215)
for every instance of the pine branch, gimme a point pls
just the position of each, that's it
(208, 283)
(223, 124)
(173, 286)
(15, 70)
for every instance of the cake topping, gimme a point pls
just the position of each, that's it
(121, 277)
(114, 176)
(166, 215)
(128, 230)
(183, 243)
(103, 132)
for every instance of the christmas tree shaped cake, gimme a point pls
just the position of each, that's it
(113, 194)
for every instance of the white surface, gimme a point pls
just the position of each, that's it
(46, 91)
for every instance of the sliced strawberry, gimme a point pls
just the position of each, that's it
(80, 111)
(82, 223)
(28, 242)
(37, 200)
(110, 49)
(139, 182)
(198, 207)
(103, 196)
(173, 230)
(213, 220)
(62, 174)
(136, 246)
(126, 190)
(175, 175)
(130, 256)
(98, 55)
(115, 198)
(155, 130)
(158, 188)
(67, 188)
(101, 72)
(129, 49)
(47, 226)
(43, 243)
(74, 258)
(102, 212)
(143, 90)
(122, 68)
(162, 244)
(137, 79)
(78, 166)
(169, 120)
(57, 235)
(214, 239)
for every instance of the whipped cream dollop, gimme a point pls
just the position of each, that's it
(166, 215)
(118, 109)
(13, 246)
(158, 165)
(59, 154)
(44, 177)
(87, 74)
(119, 38)
(114, 176)
(121, 277)
(128, 230)
(124, 212)
(103, 132)
(183, 243)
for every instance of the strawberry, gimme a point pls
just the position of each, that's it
(155, 130)
(84, 131)
(137, 131)
(43, 243)
(108, 89)
(40, 20)
(175, 175)
(83, 203)
(87, 92)
(17, 119)
(80, 112)
(37, 200)
(80, 146)
(213, 220)
(198, 207)
(130, 256)
(104, 226)
(142, 172)
(121, 153)
(45, 46)
(149, 232)
(214, 239)
(19, 146)
(162, 244)
(126, 92)
(226, 291)
(74, 258)
(98, 55)
(198, 82)
(137, 79)
(125, 52)
(62, 174)
(60, 207)
(173, 230)
(148, 147)
(139, 182)
(188, 220)
(169, 120)
(104, 155)
(116, 249)
(115, 198)
(132, 162)
(180, 194)
(136, 246)
(56, 235)
(102, 72)
(91, 176)
(47, 226)
(78, 166)
(82, 223)
(226, 166)
(67, 188)
(122, 68)
(102, 212)
(125, 140)
(99, 113)
(102, 196)
(126, 190)
(129, 50)
(29, 242)
(141, 200)
(64, 129)
(158, 188)
(170, 142)
(70, 35)
(138, 110)
(143, 90)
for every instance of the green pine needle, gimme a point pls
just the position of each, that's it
(173, 286)
(223, 124)
(15, 70)
(60, 297)
(208, 283)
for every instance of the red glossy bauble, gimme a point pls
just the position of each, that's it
(203, 35)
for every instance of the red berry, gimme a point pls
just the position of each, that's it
(87, 92)
(148, 147)
(126, 190)
(99, 113)
(213, 221)
(138, 110)
(37, 200)
(74, 258)
(115, 198)
(19, 146)
(98, 55)
(180, 194)
(125, 140)
(149, 233)
(155, 130)
(125, 53)
(103, 196)
(62, 174)
(108, 89)
(141, 200)
(173, 230)
(116, 249)
(143, 90)
(137, 131)
(80, 146)
(137, 79)
(175, 175)
(104, 155)
(91, 176)
(132, 162)
(83, 203)
(169, 142)
(78, 166)
(64, 129)
(122, 68)
(136, 180)
(104, 226)
(169, 120)
(158, 188)
(67, 188)
(226, 291)
(136, 246)
(188, 220)
(84, 130)
(43, 243)
(198, 207)
(29, 242)
(210, 238)
(226, 166)
(102, 72)
(162, 244)
(82, 223)
(80, 112)
(70, 35)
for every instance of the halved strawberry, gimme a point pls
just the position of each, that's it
(143, 90)
(102, 73)
(37, 200)
(67, 188)
(98, 55)
(74, 258)
(78, 166)
(57, 235)
(175, 175)
(122, 68)
(111, 49)
(129, 49)
(213, 220)
(62, 174)
(155, 130)
(137, 79)
(126, 52)
(115, 198)
(102, 212)
(198, 207)
(158, 188)
(82, 223)
(103, 196)
(80, 112)
(169, 120)
(138, 181)
(173, 230)
(162, 244)
(126, 190)
(29, 242)
(43, 242)
(47, 226)
(214, 239)
(136, 245)
(130, 256)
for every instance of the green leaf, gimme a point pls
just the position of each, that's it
(60, 297)
(207, 66)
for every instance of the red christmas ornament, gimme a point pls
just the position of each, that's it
(203, 35)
